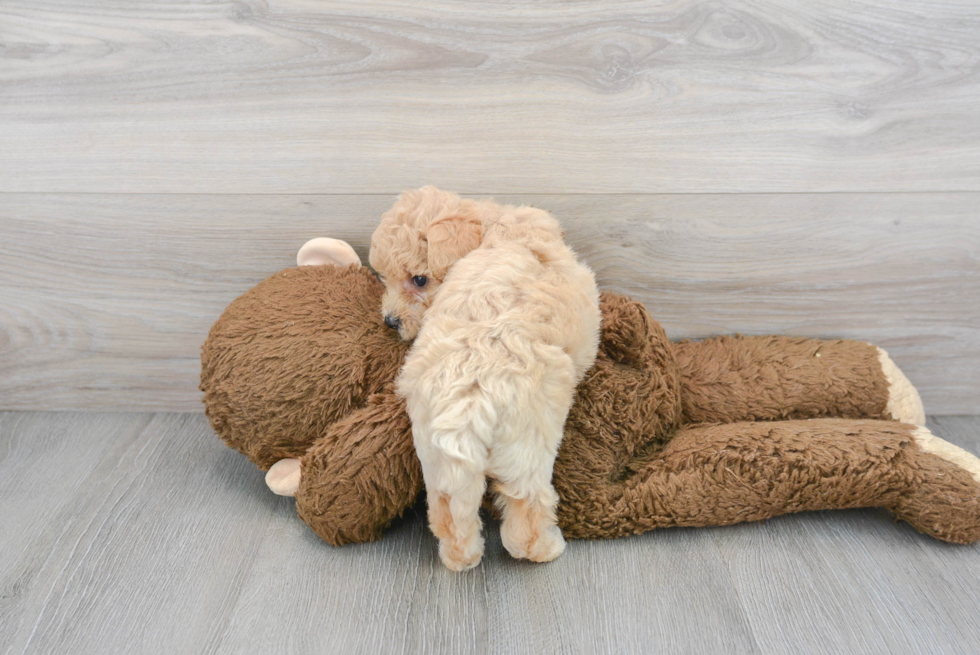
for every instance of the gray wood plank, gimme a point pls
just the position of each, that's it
(667, 589)
(38, 480)
(105, 299)
(46, 464)
(644, 96)
(848, 582)
(392, 596)
(159, 539)
(148, 553)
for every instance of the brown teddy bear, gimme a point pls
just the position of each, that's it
(298, 375)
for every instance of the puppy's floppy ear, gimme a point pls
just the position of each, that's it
(449, 240)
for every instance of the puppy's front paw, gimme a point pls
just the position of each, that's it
(460, 555)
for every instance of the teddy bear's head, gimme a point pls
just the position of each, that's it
(306, 337)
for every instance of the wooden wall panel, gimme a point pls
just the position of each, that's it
(309, 96)
(105, 299)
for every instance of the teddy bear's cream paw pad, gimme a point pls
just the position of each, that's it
(323, 250)
(904, 403)
(930, 443)
(283, 477)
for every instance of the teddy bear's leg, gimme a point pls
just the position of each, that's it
(729, 379)
(944, 504)
(629, 400)
(725, 474)
(361, 475)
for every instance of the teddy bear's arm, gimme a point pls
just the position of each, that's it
(361, 475)
(730, 473)
(729, 379)
(629, 400)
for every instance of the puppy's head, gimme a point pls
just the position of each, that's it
(418, 241)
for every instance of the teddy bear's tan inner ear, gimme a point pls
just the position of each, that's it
(323, 250)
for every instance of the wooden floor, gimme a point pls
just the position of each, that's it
(142, 533)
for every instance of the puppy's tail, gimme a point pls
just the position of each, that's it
(462, 425)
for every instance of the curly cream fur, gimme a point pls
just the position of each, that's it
(506, 327)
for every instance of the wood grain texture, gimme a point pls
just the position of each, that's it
(145, 534)
(620, 596)
(105, 299)
(306, 96)
(47, 463)
(146, 554)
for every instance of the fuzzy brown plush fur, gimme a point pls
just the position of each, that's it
(662, 434)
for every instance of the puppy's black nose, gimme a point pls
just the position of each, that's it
(392, 322)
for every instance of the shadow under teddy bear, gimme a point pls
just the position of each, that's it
(298, 375)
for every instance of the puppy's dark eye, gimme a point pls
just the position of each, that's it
(420, 281)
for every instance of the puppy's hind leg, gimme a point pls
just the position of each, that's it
(527, 501)
(451, 430)
(455, 520)
(455, 494)
(523, 459)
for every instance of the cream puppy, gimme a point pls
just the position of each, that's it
(507, 323)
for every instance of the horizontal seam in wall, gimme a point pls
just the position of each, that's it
(494, 193)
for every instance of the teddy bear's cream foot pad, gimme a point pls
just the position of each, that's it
(284, 476)
(904, 403)
(953, 454)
